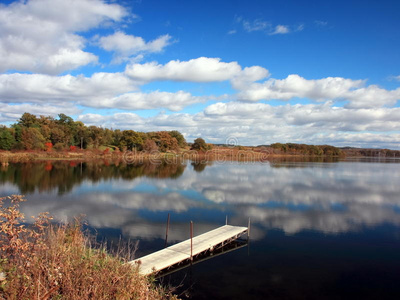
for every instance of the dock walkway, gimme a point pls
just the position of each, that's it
(183, 251)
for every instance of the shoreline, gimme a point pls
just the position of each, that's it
(212, 155)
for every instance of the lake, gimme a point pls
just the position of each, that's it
(322, 229)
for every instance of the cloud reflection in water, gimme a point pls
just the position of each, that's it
(327, 197)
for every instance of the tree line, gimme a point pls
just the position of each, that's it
(47, 133)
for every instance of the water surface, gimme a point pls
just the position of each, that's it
(319, 229)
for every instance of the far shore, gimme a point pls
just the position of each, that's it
(217, 154)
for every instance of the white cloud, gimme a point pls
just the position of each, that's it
(247, 76)
(372, 96)
(202, 69)
(125, 45)
(40, 35)
(297, 86)
(256, 25)
(280, 29)
(11, 113)
(154, 100)
(330, 88)
(320, 23)
(397, 78)
(260, 123)
(37, 88)
(101, 90)
(267, 27)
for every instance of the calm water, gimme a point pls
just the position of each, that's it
(320, 230)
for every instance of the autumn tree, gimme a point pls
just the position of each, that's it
(57, 136)
(32, 139)
(81, 134)
(164, 141)
(150, 146)
(95, 136)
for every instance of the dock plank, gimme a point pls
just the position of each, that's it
(180, 252)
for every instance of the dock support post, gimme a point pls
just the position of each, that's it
(166, 232)
(191, 241)
(248, 238)
(248, 231)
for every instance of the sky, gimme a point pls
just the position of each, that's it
(240, 72)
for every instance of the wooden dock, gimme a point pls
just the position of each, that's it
(187, 250)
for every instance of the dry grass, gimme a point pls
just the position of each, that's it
(57, 262)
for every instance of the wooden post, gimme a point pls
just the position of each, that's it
(248, 238)
(191, 241)
(166, 232)
(226, 220)
(248, 230)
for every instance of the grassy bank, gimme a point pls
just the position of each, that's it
(57, 262)
(216, 154)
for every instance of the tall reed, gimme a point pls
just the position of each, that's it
(46, 261)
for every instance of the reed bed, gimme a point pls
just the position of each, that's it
(45, 261)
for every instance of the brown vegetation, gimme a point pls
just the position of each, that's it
(57, 262)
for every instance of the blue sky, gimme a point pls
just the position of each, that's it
(252, 72)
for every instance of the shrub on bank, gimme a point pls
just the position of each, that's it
(57, 262)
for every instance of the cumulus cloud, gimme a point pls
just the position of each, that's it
(297, 86)
(125, 45)
(372, 96)
(41, 35)
(154, 100)
(39, 88)
(260, 123)
(11, 113)
(202, 69)
(352, 91)
(247, 76)
(97, 91)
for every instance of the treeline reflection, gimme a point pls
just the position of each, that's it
(62, 176)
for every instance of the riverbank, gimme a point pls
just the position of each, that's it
(47, 261)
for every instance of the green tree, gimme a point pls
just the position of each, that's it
(7, 140)
(117, 137)
(28, 120)
(200, 144)
(95, 136)
(179, 138)
(132, 140)
(57, 135)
